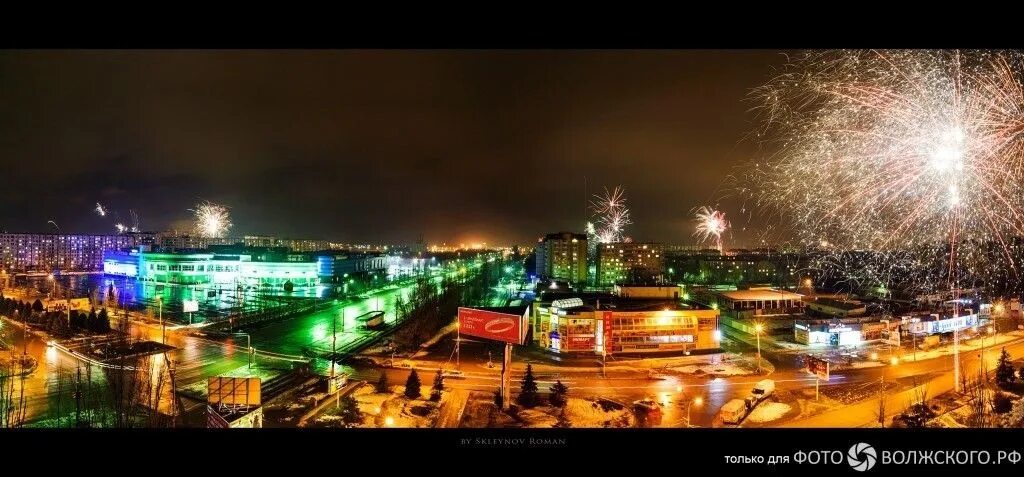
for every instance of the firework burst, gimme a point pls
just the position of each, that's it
(612, 215)
(897, 151)
(100, 210)
(212, 220)
(711, 223)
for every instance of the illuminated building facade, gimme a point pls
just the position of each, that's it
(597, 323)
(563, 256)
(64, 252)
(202, 268)
(633, 262)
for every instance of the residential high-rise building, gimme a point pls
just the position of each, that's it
(563, 256)
(67, 252)
(628, 262)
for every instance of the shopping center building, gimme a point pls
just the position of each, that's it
(593, 323)
(188, 268)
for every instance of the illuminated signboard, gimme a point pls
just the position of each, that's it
(492, 325)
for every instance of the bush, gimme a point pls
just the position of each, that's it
(1001, 403)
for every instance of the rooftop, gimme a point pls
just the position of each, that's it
(772, 294)
(508, 310)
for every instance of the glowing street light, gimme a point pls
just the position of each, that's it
(389, 421)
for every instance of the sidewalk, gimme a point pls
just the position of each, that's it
(991, 345)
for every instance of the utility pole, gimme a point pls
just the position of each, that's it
(163, 329)
(956, 344)
(24, 333)
(334, 341)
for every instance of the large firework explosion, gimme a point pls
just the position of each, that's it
(212, 220)
(896, 152)
(612, 215)
(711, 223)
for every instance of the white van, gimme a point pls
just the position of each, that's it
(763, 389)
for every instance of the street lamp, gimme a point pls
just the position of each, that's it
(758, 328)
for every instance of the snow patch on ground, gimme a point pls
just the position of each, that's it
(537, 418)
(722, 369)
(866, 364)
(768, 411)
(588, 414)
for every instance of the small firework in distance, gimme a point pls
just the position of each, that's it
(711, 223)
(612, 215)
(100, 210)
(212, 220)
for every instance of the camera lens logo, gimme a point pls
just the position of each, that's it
(861, 457)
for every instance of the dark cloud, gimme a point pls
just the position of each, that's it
(372, 145)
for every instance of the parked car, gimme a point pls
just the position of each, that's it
(650, 408)
(453, 373)
(733, 411)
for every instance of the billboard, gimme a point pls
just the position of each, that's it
(492, 325)
(818, 367)
(190, 306)
(233, 391)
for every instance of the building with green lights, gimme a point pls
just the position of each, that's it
(255, 267)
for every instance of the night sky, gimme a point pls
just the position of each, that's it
(374, 146)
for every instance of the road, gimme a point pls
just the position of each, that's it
(936, 377)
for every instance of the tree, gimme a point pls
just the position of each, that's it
(382, 383)
(435, 393)
(37, 306)
(111, 298)
(92, 322)
(349, 411)
(1020, 373)
(558, 392)
(412, 385)
(78, 321)
(562, 422)
(528, 393)
(102, 323)
(1001, 403)
(1004, 370)
(289, 286)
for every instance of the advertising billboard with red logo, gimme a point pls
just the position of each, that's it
(579, 343)
(492, 325)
